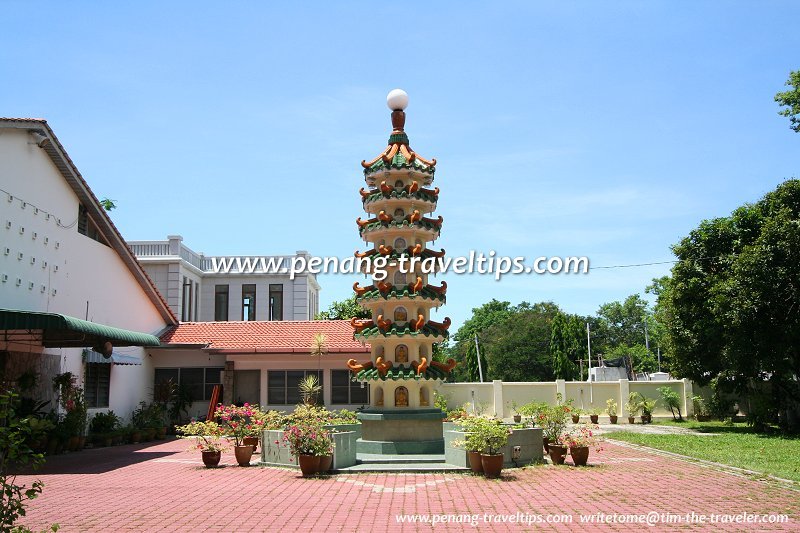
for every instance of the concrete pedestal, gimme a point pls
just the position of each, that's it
(401, 431)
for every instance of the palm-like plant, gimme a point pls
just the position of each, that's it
(318, 348)
(309, 389)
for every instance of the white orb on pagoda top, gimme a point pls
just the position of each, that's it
(397, 99)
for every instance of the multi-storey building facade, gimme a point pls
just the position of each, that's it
(200, 288)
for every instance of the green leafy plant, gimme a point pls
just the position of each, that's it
(672, 401)
(530, 412)
(104, 423)
(308, 438)
(611, 407)
(239, 422)
(309, 388)
(207, 435)
(553, 419)
(439, 401)
(16, 434)
(632, 407)
(700, 407)
(581, 435)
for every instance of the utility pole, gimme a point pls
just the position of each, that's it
(589, 351)
(478, 355)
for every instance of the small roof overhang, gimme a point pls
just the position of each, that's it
(90, 356)
(54, 330)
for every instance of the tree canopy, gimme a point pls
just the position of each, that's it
(790, 100)
(344, 310)
(732, 305)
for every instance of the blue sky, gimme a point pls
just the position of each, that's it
(604, 129)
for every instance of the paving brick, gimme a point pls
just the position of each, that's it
(163, 487)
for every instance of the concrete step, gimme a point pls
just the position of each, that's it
(399, 459)
(402, 467)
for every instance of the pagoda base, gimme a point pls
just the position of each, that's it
(401, 431)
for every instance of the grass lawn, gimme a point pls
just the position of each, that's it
(735, 445)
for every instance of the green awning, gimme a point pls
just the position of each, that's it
(90, 356)
(63, 331)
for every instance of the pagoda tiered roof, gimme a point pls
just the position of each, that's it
(403, 291)
(398, 155)
(399, 330)
(401, 372)
(423, 223)
(375, 195)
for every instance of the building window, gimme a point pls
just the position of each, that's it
(276, 302)
(87, 227)
(196, 299)
(198, 382)
(248, 302)
(221, 303)
(283, 386)
(98, 384)
(344, 391)
(188, 300)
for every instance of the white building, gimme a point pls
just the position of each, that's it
(204, 289)
(68, 280)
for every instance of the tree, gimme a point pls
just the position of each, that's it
(791, 100)
(562, 347)
(463, 350)
(732, 305)
(344, 310)
(518, 348)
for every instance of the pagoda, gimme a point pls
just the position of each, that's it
(401, 372)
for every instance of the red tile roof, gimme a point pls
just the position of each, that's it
(265, 337)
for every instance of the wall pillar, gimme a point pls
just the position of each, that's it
(561, 388)
(497, 389)
(227, 383)
(688, 392)
(624, 392)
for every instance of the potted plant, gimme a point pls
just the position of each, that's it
(632, 408)
(208, 439)
(594, 414)
(236, 422)
(553, 420)
(102, 427)
(309, 389)
(468, 424)
(517, 416)
(611, 410)
(579, 439)
(701, 411)
(647, 405)
(489, 436)
(307, 441)
(576, 415)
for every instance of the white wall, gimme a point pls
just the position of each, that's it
(80, 274)
(497, 397)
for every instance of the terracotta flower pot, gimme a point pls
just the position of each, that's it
(594, 418)
(161, 432)
(81, 442)
(325, 463)
(72, 445)
(576, 419)
(211, 459)
(613, 418)
(243, 454)
(492, 465)
(557, 453)
(151, 433)
(475, 463)
(517, 419)
(136, 437)
(545, 443)
(251, 441)
(646, 419)
(580, 455)
(631, 420)
(309, 464)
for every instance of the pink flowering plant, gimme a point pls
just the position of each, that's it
(239, 422)
(207, 436)
(305, 438)
(582, 436)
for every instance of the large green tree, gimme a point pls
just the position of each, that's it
(563, 346)
(518, 348)
(463, 348)
(344, 310)
(790, 100)
(732, 305)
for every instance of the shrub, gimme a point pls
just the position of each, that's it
(104, 423)
(672, 401)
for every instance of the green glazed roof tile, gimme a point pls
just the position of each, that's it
(418, 195)
(396, 330)
(425, 293)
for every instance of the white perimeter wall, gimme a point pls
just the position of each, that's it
(496, 397)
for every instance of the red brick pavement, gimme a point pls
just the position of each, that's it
(162, 487)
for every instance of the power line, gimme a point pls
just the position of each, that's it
(636, 265)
